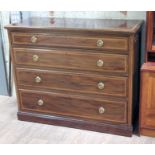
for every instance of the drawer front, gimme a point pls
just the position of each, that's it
(105, 42)
(72, 60)
(59, 104)
(116, 86)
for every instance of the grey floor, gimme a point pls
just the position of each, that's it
(14, 131)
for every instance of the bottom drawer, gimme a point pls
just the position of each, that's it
(73, 106)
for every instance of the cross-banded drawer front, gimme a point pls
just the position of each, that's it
(78, 82)
(60, 104)
(43, 39)
(72, 60)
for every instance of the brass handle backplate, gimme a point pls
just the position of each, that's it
(34, 39)
(100, 63)
(101, 110)
(40, 102)
(35, 58)
(38, 79)
(99, 43)
(100, 85)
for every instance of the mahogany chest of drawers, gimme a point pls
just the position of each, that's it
(80, 73)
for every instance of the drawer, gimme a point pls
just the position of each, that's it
(43, 39)
(72, 60)
(60, 104)
(85, 83)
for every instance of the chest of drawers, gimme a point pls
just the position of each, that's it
(80, 73)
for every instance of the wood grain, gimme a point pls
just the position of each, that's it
(149, 29)
(59, 40)
(147, 99)
(147, 113)
(74, 59)
(84, 108)
(86, 83)
(67, 65)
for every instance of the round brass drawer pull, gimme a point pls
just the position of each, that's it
(38, 79)
(100, 63)
(34, 39)
(99, 43)
(40, 102)
(101, 110)
(35, 58)
(100, 85)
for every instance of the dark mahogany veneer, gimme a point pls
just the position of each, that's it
(80, 73)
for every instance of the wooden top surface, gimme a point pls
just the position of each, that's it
(126, 26)
(149, 66)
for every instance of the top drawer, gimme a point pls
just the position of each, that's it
(42, 39)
